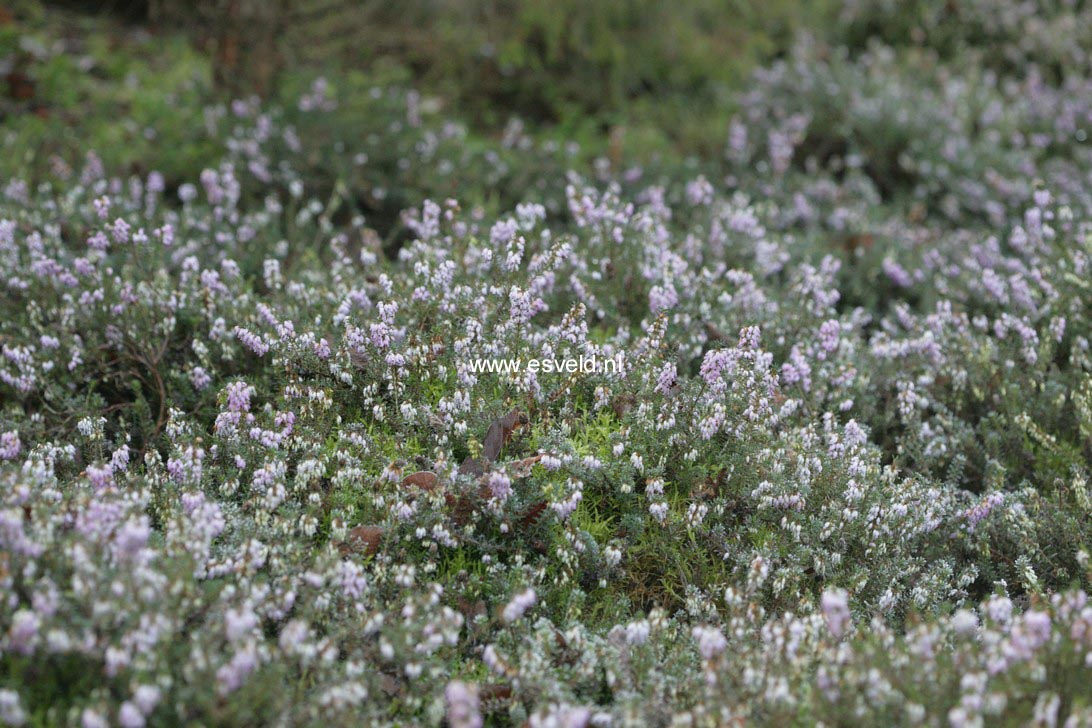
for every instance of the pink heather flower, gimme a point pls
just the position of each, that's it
(667, 378)
(999, 609)
(500, 486)
(129, 716)
(98, 241)
(238, 396)
(199, 378)
(10, 445)
(251, 341)
(637, 633)
(979, 512)
(835, 607)
(120, 231)
(662, 298)
(186, 466)
(1037, 626)
(11, 710)
(503, 231)
(231, 676)
(379, 335)
(352, 579)
(699, 191)
(165, 235)
(829, 333)
(715, 363)
(567, 507)
(23, 634)
(520, 306)
(1057, 328)
(520, 603)
(101, 476)
(294, 637)
(897, 274)
(797, 370)
(119, 461)
(131, 539)
(102, 207)
(238, 623)
(463, 706)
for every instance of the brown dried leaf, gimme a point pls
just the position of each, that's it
(522, 468)
(426, 480)
(623, 403)
(471, 466)
(470, 609)
(461, 508)
(500, 432)
(494, 695)
(21, 87)
(390, 685)
(713, 333)
(533, 514)
(858, 241)
(362, 540)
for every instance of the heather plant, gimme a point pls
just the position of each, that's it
(251, 472)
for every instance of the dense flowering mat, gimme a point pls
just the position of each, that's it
(255, 472)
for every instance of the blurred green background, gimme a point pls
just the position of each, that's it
(620, 77)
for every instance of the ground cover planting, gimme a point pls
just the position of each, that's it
(253, 471)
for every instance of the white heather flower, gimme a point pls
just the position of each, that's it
(561, 716)
(492, 660)
(146, 697)
(964, 622)
(695, 514)
(129, 716)
(520, 603)
(11, 711)
(711, 641)
(637, 632)
(999, 609)
(91, 719)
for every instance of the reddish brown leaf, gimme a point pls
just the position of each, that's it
(623, 403)
(500, 432)
(461, 507)
(426, 480)
(494, 694)
(533, 514)
(470, 609)
(20, 86)
(858, 241)
(522, 468)
(713, 333)
(471, 466)
(710, 487)
(363, 540)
